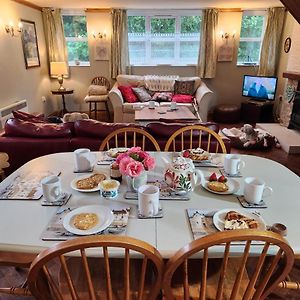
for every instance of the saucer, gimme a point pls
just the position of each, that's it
(61, 201)
(158, 215)
(246, 204)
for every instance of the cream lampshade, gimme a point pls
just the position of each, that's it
(59, 69)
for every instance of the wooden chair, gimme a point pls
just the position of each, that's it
(274, 259)
(130, 137)
(194, 136)
(95, 99)
(52, 274)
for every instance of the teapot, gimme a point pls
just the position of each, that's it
(181, 174)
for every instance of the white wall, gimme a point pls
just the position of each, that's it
(17, 82)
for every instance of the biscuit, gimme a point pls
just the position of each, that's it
(217, 186)
(90, 182)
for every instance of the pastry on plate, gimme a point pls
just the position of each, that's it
(85, 221)
(217, 186)
(235, 220)
(114, 152)
(196, 154)
(90, 182)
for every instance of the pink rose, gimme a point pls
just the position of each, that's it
(134, 150)
(149, 163)
(123, 164)
(143, 155)
(120, 157)
(134, 169)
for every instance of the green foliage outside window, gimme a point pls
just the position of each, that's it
(190, 24)
(162, 25)
(252, 26)
(136, 24)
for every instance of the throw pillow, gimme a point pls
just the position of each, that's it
(142, 94)
(184, 87)
(97, 90)
(128, 94)
(180, 98)
(21, 115)
(162, 96)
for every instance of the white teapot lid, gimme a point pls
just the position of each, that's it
(182, 164)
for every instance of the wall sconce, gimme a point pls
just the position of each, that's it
(227, 35)
(10, 29)
(100, 35)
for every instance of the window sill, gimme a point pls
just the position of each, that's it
(247, 65)
(165, 65)
(79, 64)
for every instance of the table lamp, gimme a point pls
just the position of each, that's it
(59, 69)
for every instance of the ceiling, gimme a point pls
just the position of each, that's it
(150, 4)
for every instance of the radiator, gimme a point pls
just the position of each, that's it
(6, 112)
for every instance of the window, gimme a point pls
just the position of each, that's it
(252, 32)
(165, 38)
(76, 39)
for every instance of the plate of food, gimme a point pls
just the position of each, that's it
(230, 219)
(88, 219)
(197, 155)
(220, 185)
(114, 152)
(87, 183)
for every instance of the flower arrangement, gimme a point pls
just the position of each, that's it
(133, 162)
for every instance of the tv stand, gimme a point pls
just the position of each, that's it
(253, 111)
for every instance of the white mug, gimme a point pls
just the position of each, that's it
(51, 187)
(173, 105)
(84, 159)
(148, 200)
(254, 190)
(233, 164)
(151, 104)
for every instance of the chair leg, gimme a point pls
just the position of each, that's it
(106, 106)
(95, 110)
(90, 109)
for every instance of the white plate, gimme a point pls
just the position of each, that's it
(105, 216)
(233, 186)
(199, 160)
(74, 187)
(113, 151)
(219, 218)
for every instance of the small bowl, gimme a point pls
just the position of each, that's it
(109, 188)
(279, 228)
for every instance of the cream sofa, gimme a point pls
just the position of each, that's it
(124, 112)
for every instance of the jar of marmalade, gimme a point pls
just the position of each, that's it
(115, 172)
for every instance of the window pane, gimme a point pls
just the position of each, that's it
(136, 24)
(162, 25)
(137, 52)
(78, 51)
(162, 51)
(190, 24)
(75, 26)
(252, 26)
(189, 51)
(249, 52)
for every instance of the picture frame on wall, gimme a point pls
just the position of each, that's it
(101, 51)
(30, 44)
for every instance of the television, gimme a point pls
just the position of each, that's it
(259, 88)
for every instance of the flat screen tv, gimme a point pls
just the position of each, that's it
(260, 88)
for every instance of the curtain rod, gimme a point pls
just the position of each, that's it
(29, 4)
(97, 10)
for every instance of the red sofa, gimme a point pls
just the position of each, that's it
(26, 140)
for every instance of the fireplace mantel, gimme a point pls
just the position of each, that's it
(291, 75)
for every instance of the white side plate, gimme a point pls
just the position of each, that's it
(233, 187)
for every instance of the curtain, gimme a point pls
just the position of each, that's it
(270, 49)
(207, 59)
(119, 62)
(54, 33)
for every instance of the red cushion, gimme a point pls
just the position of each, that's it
(128, 94)
(180, 98)
(28, 117)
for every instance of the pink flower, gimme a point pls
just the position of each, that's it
(123, 164)
(134, 168)
(121, 156)
(149, 163)
(134, 150)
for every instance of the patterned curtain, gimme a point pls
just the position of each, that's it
(54, 32)
(207, 59)
(270, 49)
(119, 62)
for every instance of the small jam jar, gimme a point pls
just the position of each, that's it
(115, 172)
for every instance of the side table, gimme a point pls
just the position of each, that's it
(62, 93)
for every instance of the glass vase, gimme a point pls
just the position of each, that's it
(133, 183)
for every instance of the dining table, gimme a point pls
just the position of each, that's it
(23, 221)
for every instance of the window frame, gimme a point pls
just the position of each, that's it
(252, 39)
(76, 39)
(167, 14)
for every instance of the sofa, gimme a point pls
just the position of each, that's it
(25, 140)
(124, 111)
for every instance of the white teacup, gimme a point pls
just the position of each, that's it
(148, 200)
(151, 104)
(84, 160)
(254, 190)
(51, 187)
(233, 164)
(173, 105)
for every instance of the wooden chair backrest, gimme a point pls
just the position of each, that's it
(129, 137)
(100, 80)
(186, 140)
(274, 260)
(44, 283)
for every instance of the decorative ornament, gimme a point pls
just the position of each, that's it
(287, 45)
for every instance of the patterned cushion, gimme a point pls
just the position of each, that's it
(97, 90)
(180, 98)
(160, 83)
(142, 94)
(162, 96)
(128, 94)
(184, 87)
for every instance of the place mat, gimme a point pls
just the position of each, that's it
(26, 186)
(246, 204)
(55, 230)
(210, 164)
(86, 171)
(64, 200)
(104, 159)
(157, 216)
(238, 174)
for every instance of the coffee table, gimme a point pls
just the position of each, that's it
(147, 114)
